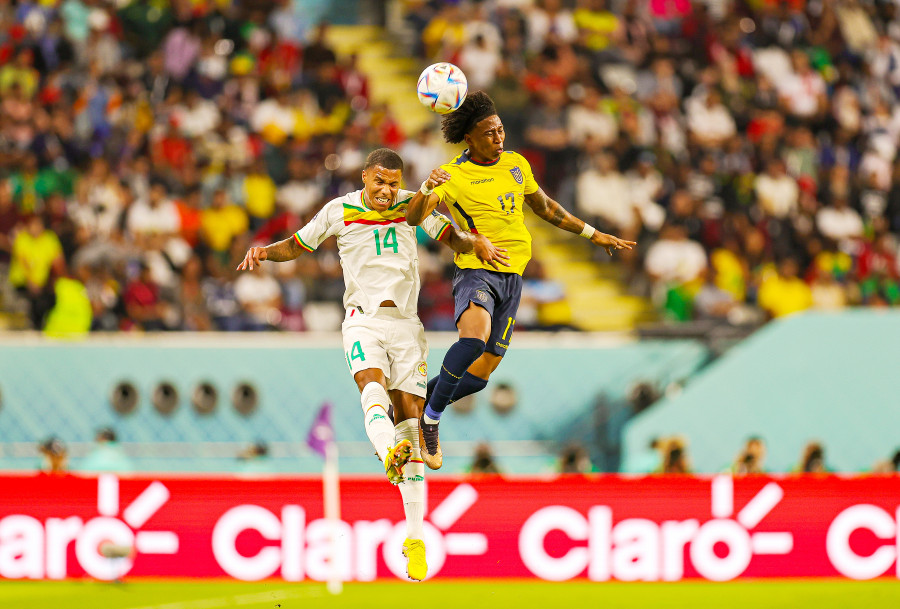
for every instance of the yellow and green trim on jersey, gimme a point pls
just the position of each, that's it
(363, 214)
(301, 243)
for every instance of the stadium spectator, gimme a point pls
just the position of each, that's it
(838, 221)
(543, 303)
(302, 192)
(259, 194)
(675, 259)
(483, 461)
(777, 192)
(675, 460)
(55, 456)
(812, 461)
(255, 459)
(35, 252)
(589, 120)
(782, 292)
(603, 196)
(752, 459)
(259, 295)
(72, 313)
(420, 155)
(220, 224)
(711, 301)
(143, 302)
(709, 122)
(107, 455)
(546, 18)
(479, 61)
(574, 459)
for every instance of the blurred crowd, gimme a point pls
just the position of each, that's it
(663, 456)
(750, 147)
(145, 145)
(670, 456)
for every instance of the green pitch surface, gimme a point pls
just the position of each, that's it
(456, 594)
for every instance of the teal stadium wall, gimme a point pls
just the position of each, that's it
(817, 376)
(64, 388)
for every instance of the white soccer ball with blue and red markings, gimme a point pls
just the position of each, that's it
(442, 87)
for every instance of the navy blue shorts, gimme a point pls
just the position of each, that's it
(498, 294)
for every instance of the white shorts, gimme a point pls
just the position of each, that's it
(392, 343)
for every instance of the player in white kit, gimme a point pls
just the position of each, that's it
(384, 341)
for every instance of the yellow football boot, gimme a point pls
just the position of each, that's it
(396, 459)
(414, 551)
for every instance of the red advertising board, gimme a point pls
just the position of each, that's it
(605, 527)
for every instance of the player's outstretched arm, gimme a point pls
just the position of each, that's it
(281, 251)
(425, 201)
(463, 242)
(551, 211)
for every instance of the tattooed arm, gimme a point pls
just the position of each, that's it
(551, 211)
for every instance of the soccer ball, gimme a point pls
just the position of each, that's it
(442, 87)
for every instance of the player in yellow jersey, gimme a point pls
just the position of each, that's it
(485, 188)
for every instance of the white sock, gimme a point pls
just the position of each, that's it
(375, 402)
(412, 489)
(431, 421)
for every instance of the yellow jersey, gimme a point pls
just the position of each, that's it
(488, 198)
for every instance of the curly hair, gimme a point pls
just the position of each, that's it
(477, 107)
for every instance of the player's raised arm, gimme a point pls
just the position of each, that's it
(424, 201)
(282, 251)
(551, 211)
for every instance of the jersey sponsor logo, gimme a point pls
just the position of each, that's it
(517, 175)
(485, 181)
(422, 368)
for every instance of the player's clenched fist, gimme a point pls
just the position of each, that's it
(438, 176)
(255, 255)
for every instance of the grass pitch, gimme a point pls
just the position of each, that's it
(451, 593)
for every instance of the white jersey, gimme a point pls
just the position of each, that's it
(377, 250)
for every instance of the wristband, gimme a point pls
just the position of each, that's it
(588, 231)
(425, 190)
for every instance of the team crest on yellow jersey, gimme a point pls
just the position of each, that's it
(517, 175)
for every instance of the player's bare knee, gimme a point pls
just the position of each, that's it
(370, 375)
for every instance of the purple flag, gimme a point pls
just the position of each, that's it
(321, 433)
